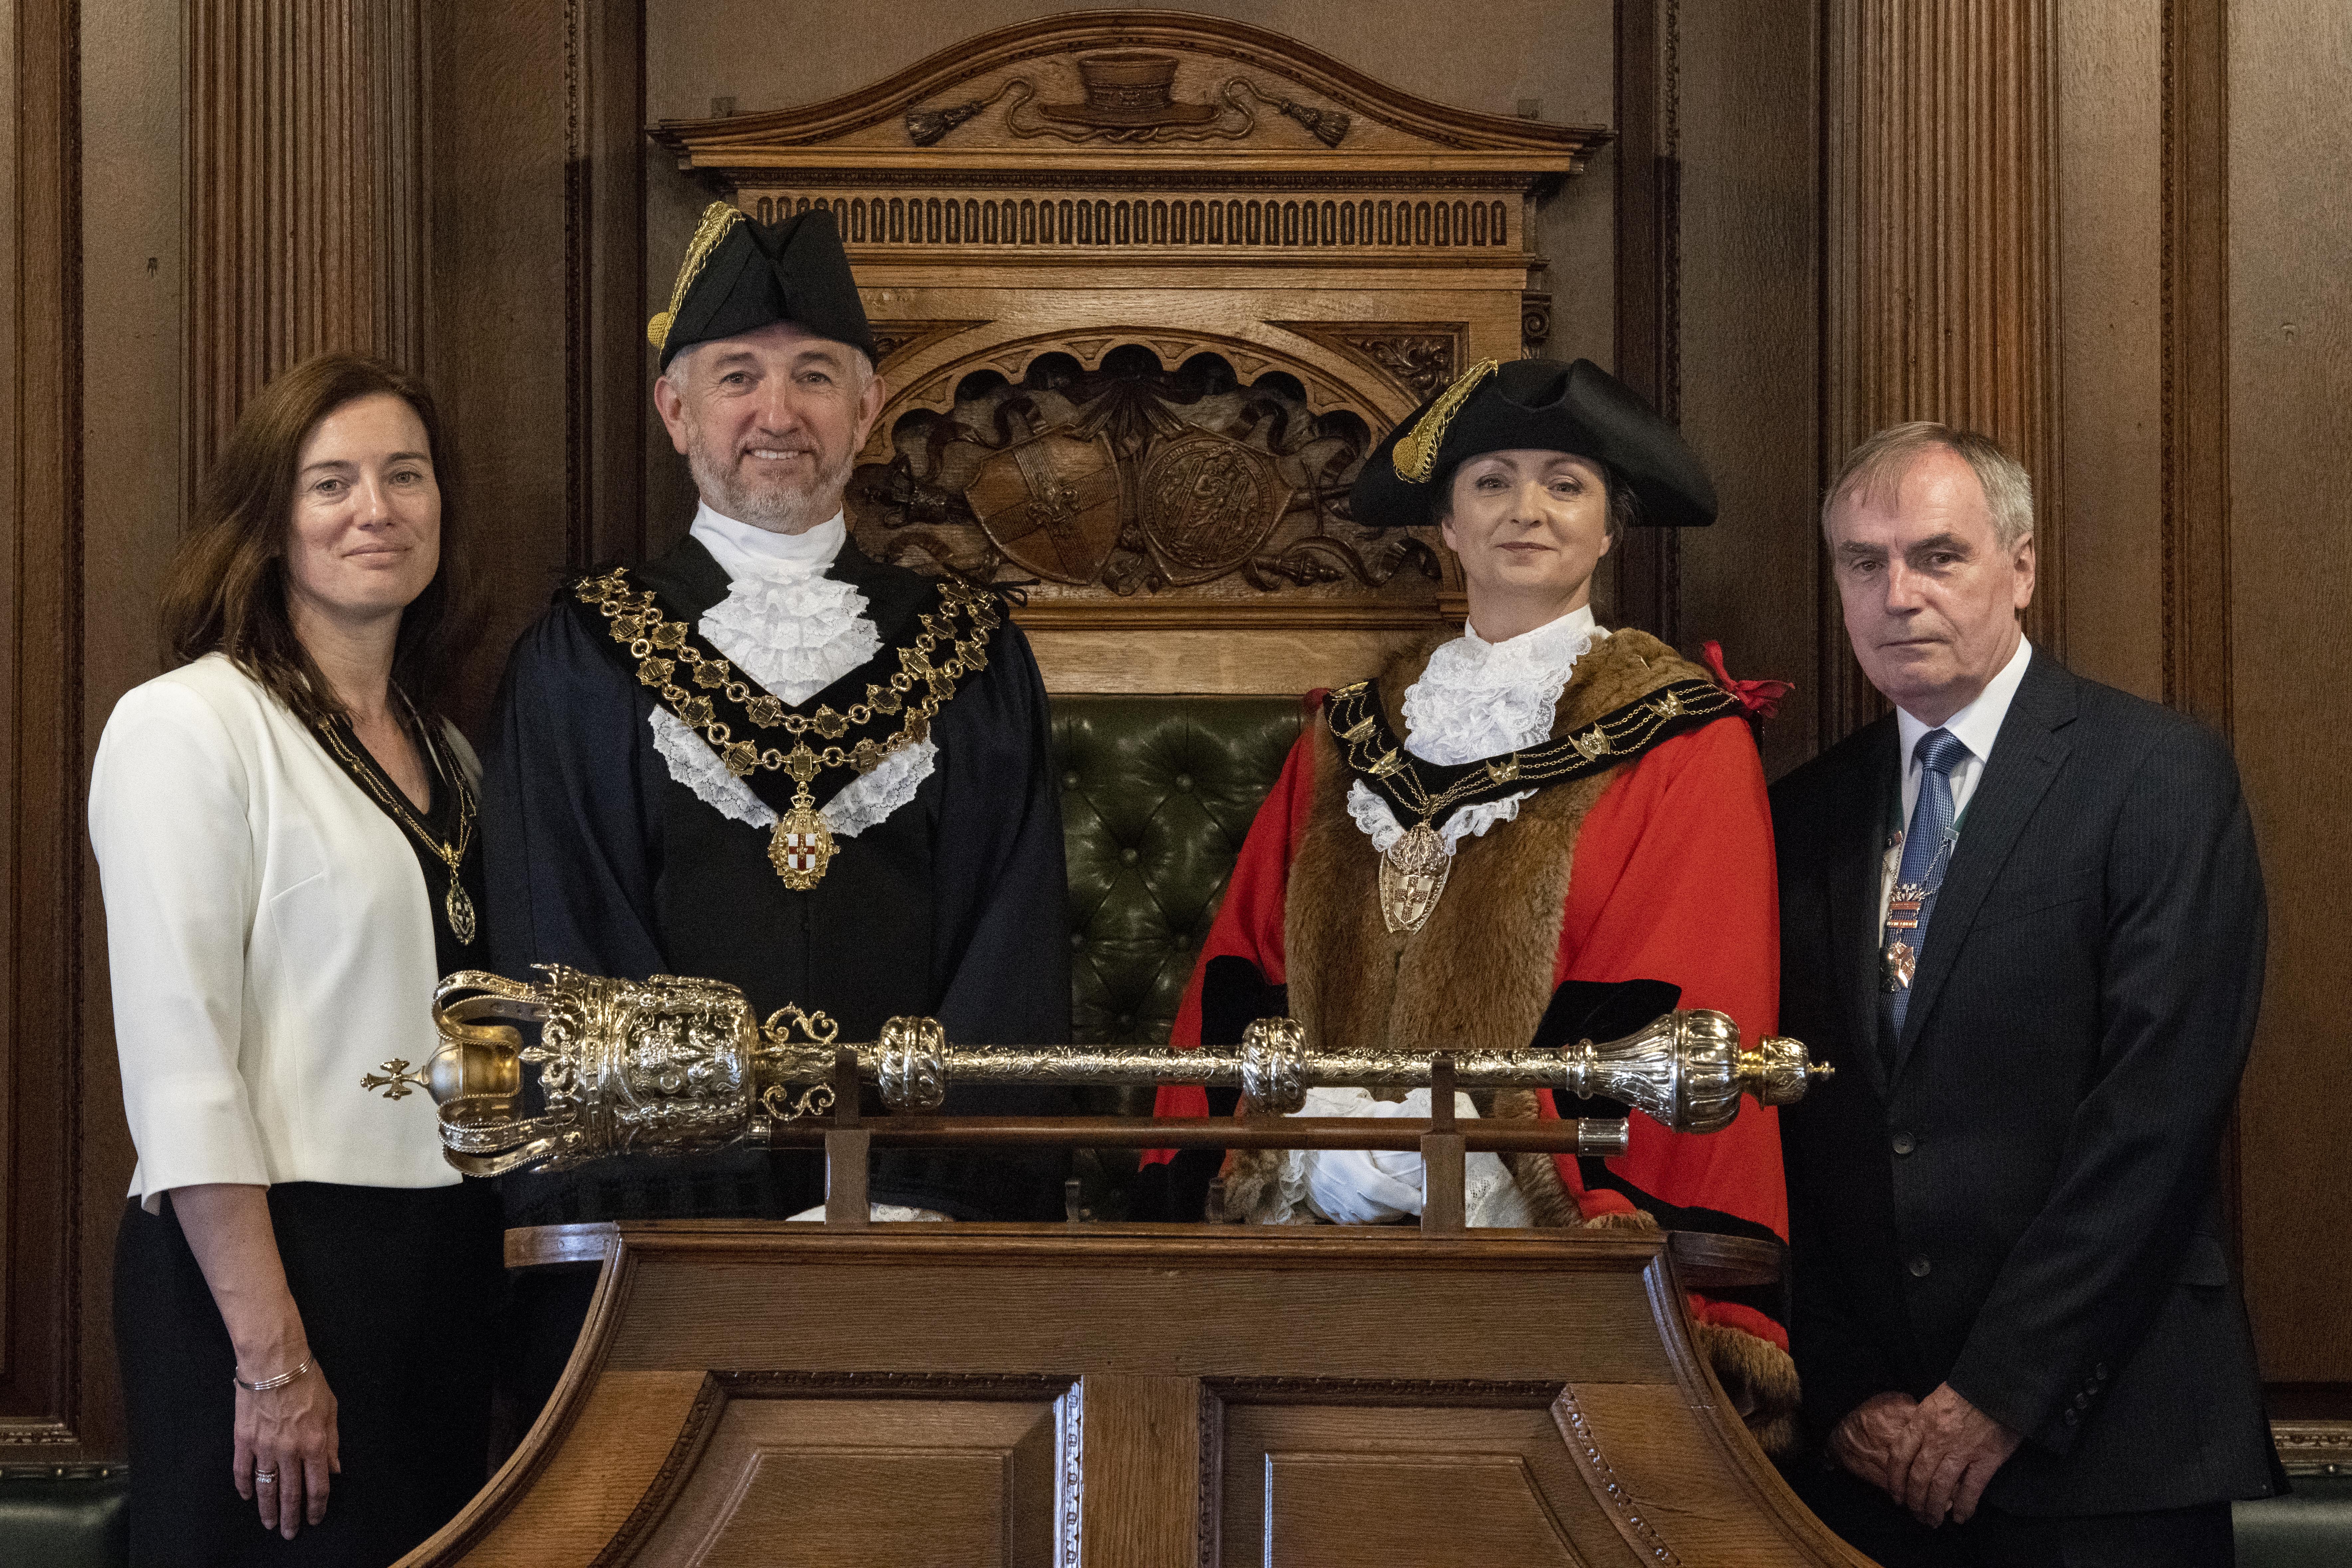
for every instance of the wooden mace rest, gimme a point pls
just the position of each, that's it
(1442, 1143)
(847, 1394)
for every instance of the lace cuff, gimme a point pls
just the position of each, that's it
(1379, 823)
(862, 803)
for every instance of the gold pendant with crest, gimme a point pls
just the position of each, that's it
(802, 845)
(459, 908)
(1412, 875)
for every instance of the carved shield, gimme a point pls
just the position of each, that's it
(1051, 503)
(1206, 502)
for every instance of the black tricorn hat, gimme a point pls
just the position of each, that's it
(741, 275)
(1532, 405)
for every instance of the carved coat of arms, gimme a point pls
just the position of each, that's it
(1051, 503)
(1206, 501)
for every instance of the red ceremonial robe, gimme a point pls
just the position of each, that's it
(1673, 880)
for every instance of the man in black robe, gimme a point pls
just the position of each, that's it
(768, 759)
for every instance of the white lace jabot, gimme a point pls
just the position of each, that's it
(795, 631)
(1480, 699)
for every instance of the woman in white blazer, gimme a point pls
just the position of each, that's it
(304, 1291)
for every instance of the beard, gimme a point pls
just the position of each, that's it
(779, 502)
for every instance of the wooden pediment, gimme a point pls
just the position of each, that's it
(1102, 87)
(1149, 287)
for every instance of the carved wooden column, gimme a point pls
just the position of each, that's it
(1646, 565)
(1938, 258)
(42, 1406)
(305, 194)
(2195, 342)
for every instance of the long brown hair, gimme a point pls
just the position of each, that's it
(225, 590)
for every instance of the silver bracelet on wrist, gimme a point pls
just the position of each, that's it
(266, 1384)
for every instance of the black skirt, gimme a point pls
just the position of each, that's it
(399, 1293)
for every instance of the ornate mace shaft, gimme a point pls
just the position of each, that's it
(673, 1065)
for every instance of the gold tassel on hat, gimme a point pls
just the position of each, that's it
(717, 219)
(1415, 453)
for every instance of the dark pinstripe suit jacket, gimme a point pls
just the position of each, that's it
(2025, 1206)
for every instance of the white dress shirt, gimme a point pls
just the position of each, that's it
(1976, 727)
(269, 941)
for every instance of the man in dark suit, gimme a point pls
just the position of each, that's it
(2023, 917)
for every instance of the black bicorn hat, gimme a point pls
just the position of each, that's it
(741, 275)
(1536, 405)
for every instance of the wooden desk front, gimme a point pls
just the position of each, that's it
(1165, 1394)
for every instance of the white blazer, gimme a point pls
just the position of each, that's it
(270, 940)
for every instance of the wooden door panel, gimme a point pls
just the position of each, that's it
(1405, 1511)
(1400, 1483)
(845, 1482)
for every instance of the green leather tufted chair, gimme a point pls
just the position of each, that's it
(1158, 793)
(65, 1516)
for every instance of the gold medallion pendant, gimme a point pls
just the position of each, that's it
(460, 911)
(1412, 875)
(802, 846)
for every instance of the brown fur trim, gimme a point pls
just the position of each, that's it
(1245, 1189)
(1623, 1219)
(1515, 1105)
(1537, 1176)
(1759, 1380)
(1480, 970)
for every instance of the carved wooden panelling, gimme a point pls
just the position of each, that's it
(1940, 271)
(1419, 356)
(786, 1478)
(42, 1413)
(1154, 468)
(305, 194)
(1395, 1470)
(1149, 287)
(1050, 224)
(2195, 260)
(1406, 1509)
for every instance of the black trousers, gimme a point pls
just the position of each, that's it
(546, 1308)
(399, 1291)
(1871, 1523)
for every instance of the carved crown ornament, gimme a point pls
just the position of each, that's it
(1146, 287)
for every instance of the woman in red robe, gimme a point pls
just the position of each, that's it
(1489, 841)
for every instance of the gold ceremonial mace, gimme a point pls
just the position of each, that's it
(673, 1065)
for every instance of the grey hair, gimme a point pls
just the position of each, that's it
(1878, 465)
(681, 365)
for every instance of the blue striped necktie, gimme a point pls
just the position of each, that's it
(1927, 851)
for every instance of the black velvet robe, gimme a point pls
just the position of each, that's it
(955, 907)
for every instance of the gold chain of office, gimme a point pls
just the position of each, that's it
(458, 906)
(668, 653)
(1616, 736)
(1413, 869)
